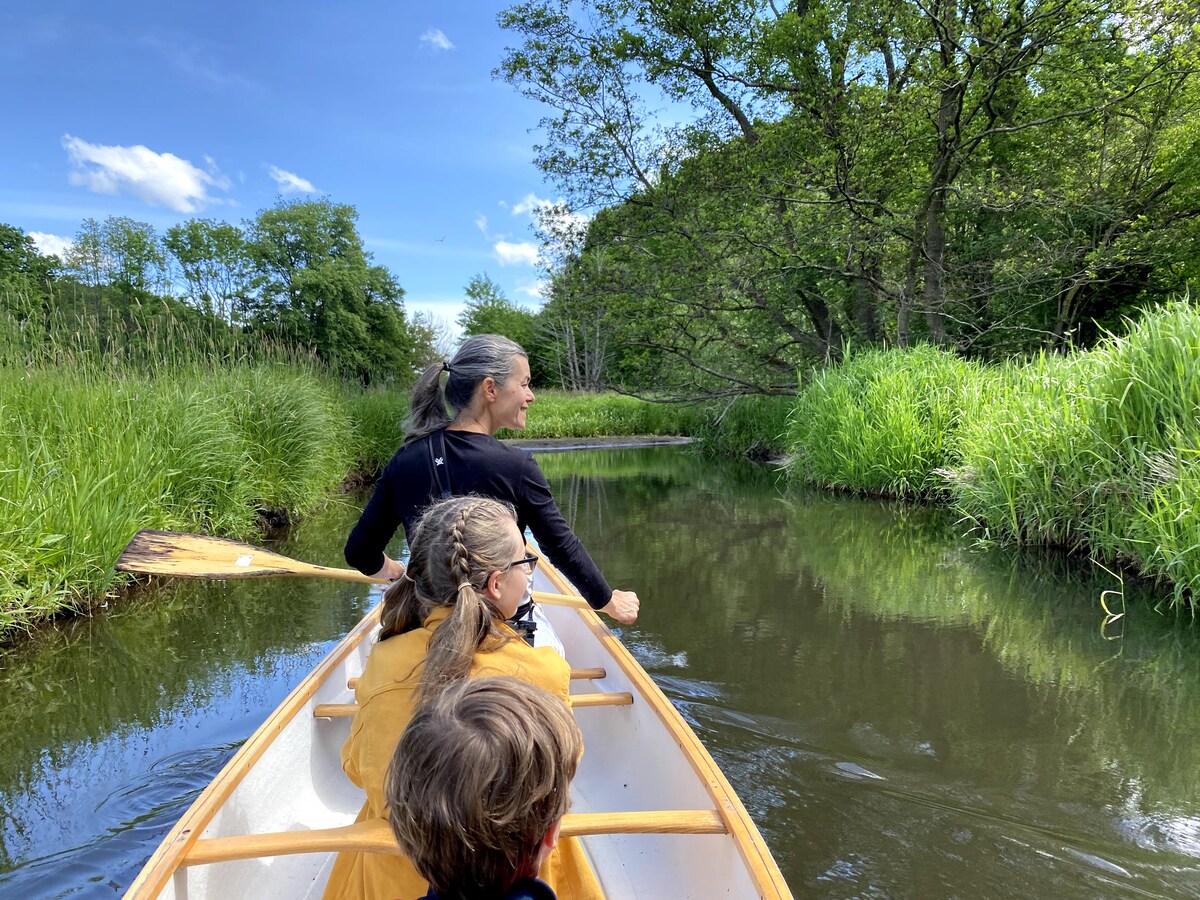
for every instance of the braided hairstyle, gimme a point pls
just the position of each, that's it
(455, 546)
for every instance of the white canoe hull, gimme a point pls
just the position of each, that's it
(643, 756)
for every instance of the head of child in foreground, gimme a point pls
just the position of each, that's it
(479, 784)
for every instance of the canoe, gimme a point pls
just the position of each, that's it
(655, 813)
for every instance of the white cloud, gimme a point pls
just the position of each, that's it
(510, 254)
(436, 40)
(553, 216)
(529, 204)
(159, 179)
(534, 289)
(481, 223)
(290, 182)
(51, 244)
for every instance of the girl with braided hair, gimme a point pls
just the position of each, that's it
(442, 621)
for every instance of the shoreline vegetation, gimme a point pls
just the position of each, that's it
(91, 453)
(1092, 451)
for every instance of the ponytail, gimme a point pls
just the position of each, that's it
(456, 545)
(427, 408)
(479, 357)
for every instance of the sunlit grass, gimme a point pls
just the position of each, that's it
(882, 423)
(377, 424)
(1095, 451)
(1028, 454)
(567, 414)
(85, 461)
(1147, 396)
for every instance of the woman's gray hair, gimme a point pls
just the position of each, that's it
(434, 406)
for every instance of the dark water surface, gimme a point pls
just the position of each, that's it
(903, 716)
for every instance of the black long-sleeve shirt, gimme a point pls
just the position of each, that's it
(476, 464)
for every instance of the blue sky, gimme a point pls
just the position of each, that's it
(167, 111)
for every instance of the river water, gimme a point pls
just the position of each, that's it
(904, 715)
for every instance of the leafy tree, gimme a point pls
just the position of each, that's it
(317, 288)
(137, 257)
(20, 256)
(989, 175)
(25, 277)
(87, 259)
(489, 311)
(215, 263)
(120, 252)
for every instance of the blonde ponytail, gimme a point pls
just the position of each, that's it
(456, 545)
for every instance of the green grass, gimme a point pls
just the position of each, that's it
(883, 423)
(1028, 452)
(85, 461)
(567, 414)
(1095, 452)
(1147, 410)
(377, 423)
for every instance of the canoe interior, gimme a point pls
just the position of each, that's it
(635, 758)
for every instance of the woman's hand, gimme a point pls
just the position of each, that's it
(392, 569)
(623, 606)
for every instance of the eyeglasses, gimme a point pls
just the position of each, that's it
(529, 560)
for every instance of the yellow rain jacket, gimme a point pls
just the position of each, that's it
(386, 696)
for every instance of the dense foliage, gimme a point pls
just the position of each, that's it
(295, 277)
(991, 177)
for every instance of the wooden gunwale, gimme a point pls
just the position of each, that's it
(179, 840)
(764, 871)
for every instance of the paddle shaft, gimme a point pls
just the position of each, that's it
(203, 556)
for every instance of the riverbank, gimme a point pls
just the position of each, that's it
(89, 455)
(1093, 452)
(552, 445)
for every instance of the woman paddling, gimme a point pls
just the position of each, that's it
(444, 621)
(487, 387)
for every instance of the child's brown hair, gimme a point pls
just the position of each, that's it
(480, 776)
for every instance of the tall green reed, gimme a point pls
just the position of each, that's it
(1148, 417)
(1027, 456)
(1094, 451)
(88, 458)
(882, 423)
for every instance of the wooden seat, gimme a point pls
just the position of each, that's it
(578, 701)
(375, 836)
(576, 675)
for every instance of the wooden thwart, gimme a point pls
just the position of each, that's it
(560, 600)
(585, 674)
(610, 698)
(578, 701)
(375, 836)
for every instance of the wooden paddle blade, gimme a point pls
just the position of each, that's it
(202, 556)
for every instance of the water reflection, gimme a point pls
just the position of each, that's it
(903, 715)
(113, 724)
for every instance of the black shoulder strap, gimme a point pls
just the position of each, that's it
(437, 458)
